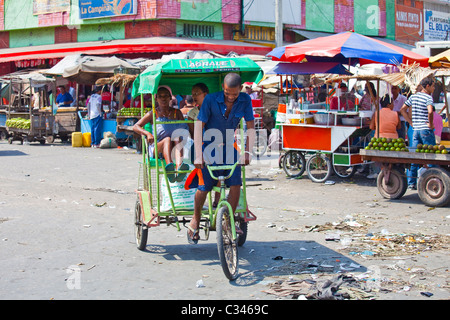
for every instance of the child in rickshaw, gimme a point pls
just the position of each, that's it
(169, 136)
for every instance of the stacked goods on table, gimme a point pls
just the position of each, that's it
(19, 123)
(424, 148)
(387, 144)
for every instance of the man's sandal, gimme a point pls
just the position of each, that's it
(193, 239)
(170, 171)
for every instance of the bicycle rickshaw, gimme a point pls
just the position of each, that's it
(180, 75)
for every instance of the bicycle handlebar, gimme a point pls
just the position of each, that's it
(224, 167)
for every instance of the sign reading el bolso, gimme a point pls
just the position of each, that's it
(91, 9)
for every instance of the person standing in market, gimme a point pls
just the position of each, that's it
(438, 125)
(399, 101)
(369, 99)
(95, 110)
(421, 120)
(64, 99)
(219, 116)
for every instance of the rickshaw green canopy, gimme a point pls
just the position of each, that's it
(181, 74)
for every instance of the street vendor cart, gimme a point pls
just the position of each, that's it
(346, 47)
(154, 189)
(330, 139)
(30, 115)
(433, 185)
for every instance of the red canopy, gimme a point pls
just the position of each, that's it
(153, 44)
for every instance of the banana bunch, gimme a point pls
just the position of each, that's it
(19, 123)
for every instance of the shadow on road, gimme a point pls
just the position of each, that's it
(12, 153)
(260, 259)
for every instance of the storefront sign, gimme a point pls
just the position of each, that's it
(50, 6)
(408, 24)
(91, 9)
(437, 26)
(206, 65)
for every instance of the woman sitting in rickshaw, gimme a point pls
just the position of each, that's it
(167, 139)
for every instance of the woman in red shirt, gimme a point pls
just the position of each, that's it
(389, 119)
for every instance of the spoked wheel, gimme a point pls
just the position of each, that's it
(140, 229)
(318, 167)
(433, 187)
(260, 146)
(226, 246)
(241, 238)
(294, 163)
(344, 171)
(394, 187)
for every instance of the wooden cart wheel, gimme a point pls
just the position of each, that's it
(433, 187)
(392, 184)
(50, 139)
(140, 229)
(294, 163)
(318, 167)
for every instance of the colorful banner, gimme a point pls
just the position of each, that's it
(92, 9)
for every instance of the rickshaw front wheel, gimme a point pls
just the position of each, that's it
(226, 246)
(140, 229)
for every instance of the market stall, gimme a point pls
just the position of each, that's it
(84, 71)
(330, 127)
(433, 183)
(87, 71)
(126, 116)
(29, 113)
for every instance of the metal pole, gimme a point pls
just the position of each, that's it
(278, 23)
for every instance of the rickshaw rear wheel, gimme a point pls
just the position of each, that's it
(140, 229)
(395, 187)
(226, 246)
(433, 187)
(241, 238)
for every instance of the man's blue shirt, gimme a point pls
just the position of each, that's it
(61, 98)
(212, 113)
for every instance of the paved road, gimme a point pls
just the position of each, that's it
(66, 232)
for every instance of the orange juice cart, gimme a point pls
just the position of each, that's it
(330, 139)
